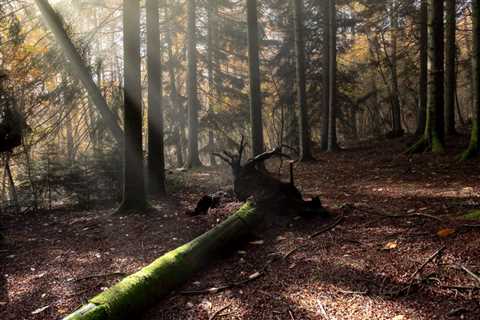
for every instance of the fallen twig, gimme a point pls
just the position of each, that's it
(218, 312)
(101, 275)
(436, 253)
(473, 275)
(290, 313)
(252, 277)
(327, 228)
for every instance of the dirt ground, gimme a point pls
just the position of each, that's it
(393, 207)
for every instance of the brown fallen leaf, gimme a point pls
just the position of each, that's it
(445, 232)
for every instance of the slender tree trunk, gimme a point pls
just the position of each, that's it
(80, 71)
(396, 108)
(303, 125)
(134, 196)
(11, 183)
(179, 115)
(332, 105)
(192, 94)
(474, 146)
(422, 108)
(156, 153)
(326, 76)
(450, 60)
(212, 91)
(254, 75)
(435, 108)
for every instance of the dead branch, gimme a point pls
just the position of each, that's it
(435, 254)
(219, 311)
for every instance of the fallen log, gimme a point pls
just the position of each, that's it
(142, 289)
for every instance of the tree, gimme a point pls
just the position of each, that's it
(156, 158)
(192, 94)
(450, 60)
(332, 81)
(304, 134)
(212, 13)
(326, 75)
(254, 77)
(433, 138)
(395, 99)
(474, 146)
(80, 71)
(134, 197)
(423, 47)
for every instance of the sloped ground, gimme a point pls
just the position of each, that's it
(392, 206)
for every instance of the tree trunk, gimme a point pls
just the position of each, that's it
(422, 108)
(80, 71)
(134, 197)
(212, 12)
(433, 138)
(332, 105)
(396, 116)
(435, 112)
(473, 148)
(254, 75)
(144, 288)
(326, 72)
(156, 156)
(192, 94)
(303, 125)
(450, 60)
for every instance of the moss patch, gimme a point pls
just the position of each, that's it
(472, 215)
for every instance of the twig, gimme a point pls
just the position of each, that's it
(290, 313)
(289, 253)
(224, 287)
(473, 275)
(219, 311)
(436, 253)
(101, 275)
(322, 309)
(327, 228)
(353, 292)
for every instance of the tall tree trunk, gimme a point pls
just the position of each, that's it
(396, 116)
(212, 12)
(134, 196)
(192, 94)
(434, 132)
(332, 105)
(422, 108)
(326, 75)
(80, 71)
(303, 125)
(156, 156)
(450, 60)
(254, 75)
(474, 146)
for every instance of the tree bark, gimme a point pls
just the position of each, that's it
(81, 72)
(332, 105)
(326, 72)
(422, 108)
(396, 108)
(474, 147)
(450, 60)
(134, 196)
(303, 125)
(144, 288)
(156, 156)
(435, 111)
(212, 13)
(254, 75)
(192, 94)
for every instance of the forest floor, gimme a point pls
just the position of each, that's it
(393, 208)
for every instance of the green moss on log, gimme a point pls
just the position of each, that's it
(138, 291)
(472, 215)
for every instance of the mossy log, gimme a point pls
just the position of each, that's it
(140, 290)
